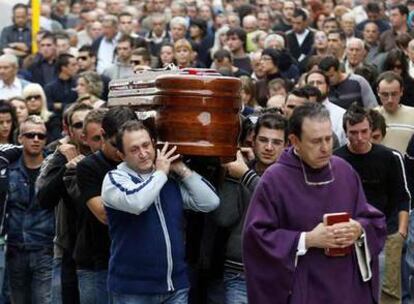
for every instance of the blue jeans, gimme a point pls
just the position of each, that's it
(176, 297)
(57, 281)
(92, 287)
(235, 287)
(30, 275)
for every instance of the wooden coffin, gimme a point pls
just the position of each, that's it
(196, 110)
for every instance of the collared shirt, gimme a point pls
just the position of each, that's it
(13, 90)
(106, 53)
(336, 114)
(302, 36)
(13, 33)
(411, 68)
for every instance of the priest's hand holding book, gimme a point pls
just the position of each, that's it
(339, 235)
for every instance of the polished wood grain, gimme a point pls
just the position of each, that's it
(197, 113)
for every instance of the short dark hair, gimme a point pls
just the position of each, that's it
(300, 92)
(240, 33)
(390, 76)
(355, 115)
(330, 19)
(340, 32)
(94, 116)
(19, 5)
(222, 54)
(62, 61)
(298, 12)
(49, 35)
(115, 118)
(311, 91)
(126, 38)
(373, 7)
(403, 9)
(124, 14)
(274, 121)
(311, 110)
(329, 62)
(378, 121)
(87, 48)
(129, 126)
(77, 107)
(317, 72)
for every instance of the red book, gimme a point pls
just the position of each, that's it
(331, 219)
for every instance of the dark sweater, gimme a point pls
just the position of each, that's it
(383, 180)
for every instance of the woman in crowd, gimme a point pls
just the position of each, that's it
(247, 95)
(166, 56)
(19, 105)
(90, 86)
(220, 38)
(8, 123)
(183, 53)
(397, 62)
(37, 105)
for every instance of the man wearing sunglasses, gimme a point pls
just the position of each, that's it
(52, 192)
(30, 229)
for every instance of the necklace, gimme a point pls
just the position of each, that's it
(307, 182)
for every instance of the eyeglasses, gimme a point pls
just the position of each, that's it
(77, 125)
(388, 94)
(32, 135)
(33, 97)
(136, 62)
(309, 183)
(83, 58)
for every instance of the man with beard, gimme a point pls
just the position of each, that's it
(235, 193)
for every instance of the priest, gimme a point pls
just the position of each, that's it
(285, 241)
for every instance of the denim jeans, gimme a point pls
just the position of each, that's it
(93, 287)
(235, 287)
(57, 281)
(176, 297)
(30, 275)
(4, 288)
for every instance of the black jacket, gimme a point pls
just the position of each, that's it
(296, 50)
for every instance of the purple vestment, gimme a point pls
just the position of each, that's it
(282, 207)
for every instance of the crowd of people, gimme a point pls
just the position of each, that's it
(93, 213)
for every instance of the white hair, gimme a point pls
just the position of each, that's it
(355, 40)
(411, 44)
(10, 58)
(178, 20)
(348, 15)
(274, 37)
